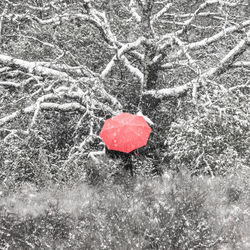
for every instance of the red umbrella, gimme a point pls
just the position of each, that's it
(125, 132)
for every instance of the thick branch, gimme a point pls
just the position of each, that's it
(108, 67)
(45, 106)
(10, 84)
(135, 71)
(242, 64)
(176, 91)
(128, 46)
(76, 70)
(133, 11)
(33, 67)
(156, 16)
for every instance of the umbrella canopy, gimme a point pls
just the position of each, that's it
(125, 132)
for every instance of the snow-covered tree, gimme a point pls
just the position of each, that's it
(172, 61)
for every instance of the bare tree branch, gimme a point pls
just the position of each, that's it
(242, 64)
(200, 44)
(133, 10)
(33, 67)
(216, 37)
(135, 71)
(156, 16)
(227, 60)
(10, 84)
(46, 7)
(120, 56)
(73, 106)
(1, 20)
(78, 71)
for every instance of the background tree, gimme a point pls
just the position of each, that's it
(172, 61)
(66, 66)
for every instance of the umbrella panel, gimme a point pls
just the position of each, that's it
(125, 132)
(125, 138)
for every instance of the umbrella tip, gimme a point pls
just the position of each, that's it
(139, 113)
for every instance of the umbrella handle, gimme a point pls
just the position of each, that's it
(136, 154)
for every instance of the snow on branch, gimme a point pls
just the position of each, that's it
(59, 94)
(93, 16)
(133, 11)
(101, 25)
(219, 35)
(101, 22)
(78, 94)
(186, 23)
(230, 57)
(44, 43)
(192, 64)
(176, 91)
(135, 71)
(44, 106)
(168, 65)
(242, 64)
(223, 3)
(33, 67)
(10, 84)
(156, 16)
(186, 15)
(76, 70)
(176, 64)
(1, 20)
(119, 56)
(202, 43)
(108, 67)
(192, 18)
(246, 85)
(4, 69)
(128, 46)
(46, 7)
(99, 88)
(223, 64)
(201, 7)
(191, 61)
